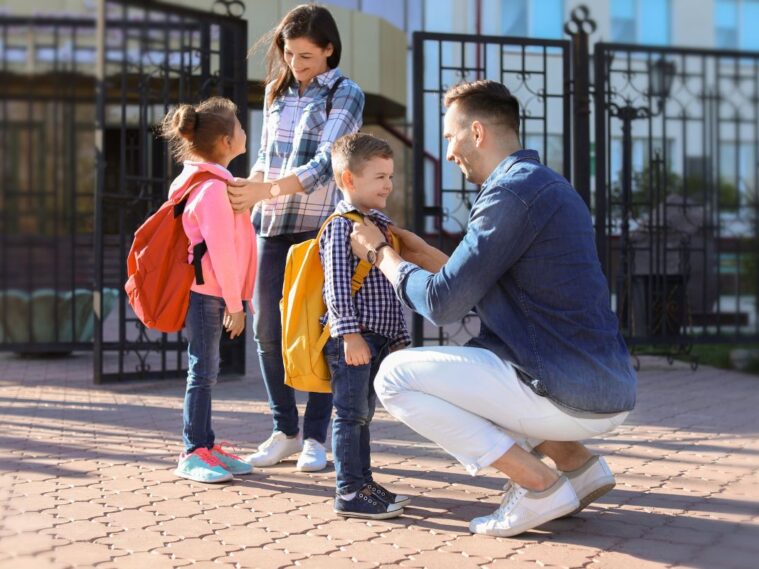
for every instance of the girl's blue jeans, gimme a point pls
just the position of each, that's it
(203, 327)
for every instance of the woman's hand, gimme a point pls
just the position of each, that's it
(364, 237)
(244, 193)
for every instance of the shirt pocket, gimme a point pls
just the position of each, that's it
(274, 120)
(314, 119)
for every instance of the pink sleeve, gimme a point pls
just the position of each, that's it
(215, 218)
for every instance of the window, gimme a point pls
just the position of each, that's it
(533, 18)
(641, 21)
(726, 24)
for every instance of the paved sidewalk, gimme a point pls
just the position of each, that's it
(85, 481)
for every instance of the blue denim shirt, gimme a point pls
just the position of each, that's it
(528, 265)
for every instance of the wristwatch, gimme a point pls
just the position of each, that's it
(371, 254)
(274, 190)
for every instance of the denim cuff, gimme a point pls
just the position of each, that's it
(404, 270)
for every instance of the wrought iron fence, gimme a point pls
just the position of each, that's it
(677, 164)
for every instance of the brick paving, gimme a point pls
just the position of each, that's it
(85, 481)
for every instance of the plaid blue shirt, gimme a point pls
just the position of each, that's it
(297, 138)
(375, 308)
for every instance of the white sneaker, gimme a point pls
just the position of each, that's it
(591, 481)
(522, 510)
(274, 450)
(313, 457)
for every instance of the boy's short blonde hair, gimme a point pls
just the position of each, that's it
(352, 151)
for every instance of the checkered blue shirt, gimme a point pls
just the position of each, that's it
(375, 307)
(297, 138)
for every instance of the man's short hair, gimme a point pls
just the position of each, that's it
(353, 151)
(487, 100)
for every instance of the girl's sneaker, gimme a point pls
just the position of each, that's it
(231, 462)
(201, 466)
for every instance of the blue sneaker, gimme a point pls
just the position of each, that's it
(201, 466)
(230, 461)
(366, 505)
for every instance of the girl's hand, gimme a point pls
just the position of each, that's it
(357, 352)
(234, 323)
(244, 193)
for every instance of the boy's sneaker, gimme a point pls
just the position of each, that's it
(366, 505)
(313, 457)
(202, 466)
(275, 449)
(522, 510)
(231, 462)
(591, 481)
(386, 495)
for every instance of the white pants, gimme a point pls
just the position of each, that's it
(472, 404)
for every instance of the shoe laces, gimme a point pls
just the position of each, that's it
(205, 455)
(512, 497)
(219, 448)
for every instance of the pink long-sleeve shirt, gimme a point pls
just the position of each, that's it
(229, 265)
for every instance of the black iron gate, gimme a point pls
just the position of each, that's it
(46, 185)
(151, 56)
(677, 208)
(537, 72)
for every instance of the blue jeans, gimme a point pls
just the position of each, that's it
(203, 327)
(267, 327)
(355, 400)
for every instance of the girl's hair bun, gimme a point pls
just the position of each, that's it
(184, 121)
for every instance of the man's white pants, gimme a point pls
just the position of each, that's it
(472, 404)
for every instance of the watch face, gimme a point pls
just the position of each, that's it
(274, 190)
(371, 256)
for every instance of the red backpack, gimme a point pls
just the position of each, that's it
(160, 277)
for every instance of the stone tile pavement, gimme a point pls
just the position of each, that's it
(85, 481)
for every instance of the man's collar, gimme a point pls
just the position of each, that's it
(506, 164)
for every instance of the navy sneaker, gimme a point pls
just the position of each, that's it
(366, 505)
(386, 495)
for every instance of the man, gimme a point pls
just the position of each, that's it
(549, 366)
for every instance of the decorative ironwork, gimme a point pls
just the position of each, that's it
(229, 8)
(155, 56)
(536, 71)
(677, 177)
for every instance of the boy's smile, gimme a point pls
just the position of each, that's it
(372, 184)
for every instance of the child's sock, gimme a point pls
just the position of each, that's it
(348, 497)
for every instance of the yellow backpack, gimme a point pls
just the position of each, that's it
(302, 306)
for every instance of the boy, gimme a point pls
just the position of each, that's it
(364, 328)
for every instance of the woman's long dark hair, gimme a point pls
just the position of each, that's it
(309, 21)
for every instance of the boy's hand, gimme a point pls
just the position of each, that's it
(234, 323)
(357, 352)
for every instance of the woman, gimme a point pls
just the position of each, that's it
(293, 191)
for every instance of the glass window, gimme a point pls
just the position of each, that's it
(726, 24)
(623, 21)
(514, 17)
(547, 19)
(641, 21)
(749, 23)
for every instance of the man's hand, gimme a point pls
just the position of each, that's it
(234, 323)
(245, 193)
(416, 250)
(364, 237)
(357, 352)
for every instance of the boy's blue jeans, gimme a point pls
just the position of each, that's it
(203, 327)
(354, 401)
(267, 326)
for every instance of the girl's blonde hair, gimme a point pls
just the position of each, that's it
(194, 131)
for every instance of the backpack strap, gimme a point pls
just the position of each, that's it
(332, 91)
(199, 249)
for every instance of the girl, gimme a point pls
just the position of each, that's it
(206, 138)
(308, 105)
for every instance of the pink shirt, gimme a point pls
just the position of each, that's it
(229, 266)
